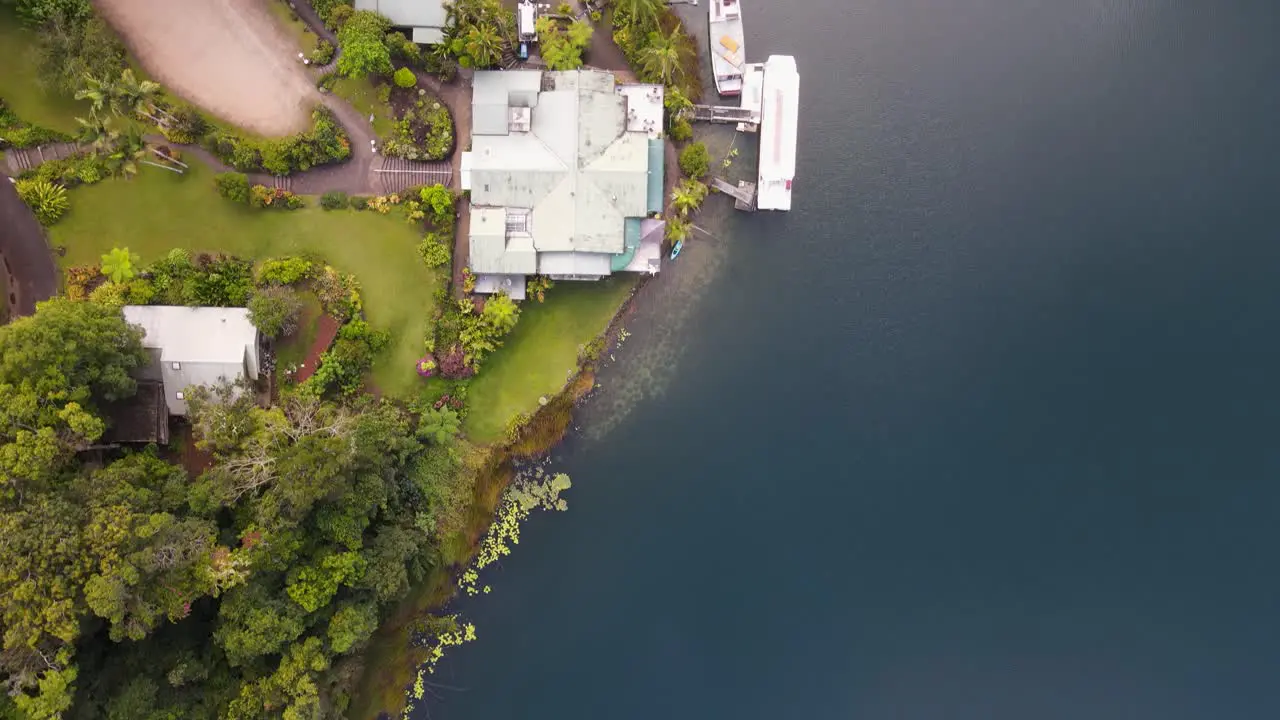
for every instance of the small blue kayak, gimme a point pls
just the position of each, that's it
(675, 250)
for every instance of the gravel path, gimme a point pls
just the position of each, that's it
(227, 56)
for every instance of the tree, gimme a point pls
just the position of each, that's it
(662, 59)
(688, 196)
(363, 44)
(48, 201)
(440, 199)
(639, 14)
(351, 626)
(118, 265)
(439, 425)
(561, 49)
(676, 103)
(483, 45)
(695, 161)
(678, 229)
(233, 186)
(274, 311)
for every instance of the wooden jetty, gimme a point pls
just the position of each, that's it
(723, 114)
(743, 194)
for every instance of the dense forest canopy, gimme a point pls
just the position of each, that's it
(130, 590)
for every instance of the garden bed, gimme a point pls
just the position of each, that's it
(423, 127)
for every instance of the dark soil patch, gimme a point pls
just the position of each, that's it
(182, 445)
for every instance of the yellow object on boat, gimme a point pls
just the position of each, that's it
(729, 43)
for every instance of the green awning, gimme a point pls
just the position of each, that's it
(657, 161)
(630, 242)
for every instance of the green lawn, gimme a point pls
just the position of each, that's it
(539, 354)
(294, 25)
(158, 211)
(293, 349)
(18, 84)
(363, 96)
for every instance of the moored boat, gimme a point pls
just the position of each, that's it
(728, 53)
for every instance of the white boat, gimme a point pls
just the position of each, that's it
(779, 116)
(728, 53)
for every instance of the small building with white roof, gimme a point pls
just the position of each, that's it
(195, 346)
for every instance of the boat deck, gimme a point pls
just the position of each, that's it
(728, 50)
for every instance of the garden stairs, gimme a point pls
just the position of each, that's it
(19, 161)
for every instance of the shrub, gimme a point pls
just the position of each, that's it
(322, 53)
(359, 202)
(453, 365)
(218, 280)
(81, 280)
(405, 78)
(16, 133)
(141, 291)
(681, 130)
(596, 16)
(285, 271)
(402, 48)
(343, 366)
(263, 197)
(325, 142)
(334, 200)
(695, 161)
(233, 186)
(339, 294)
(434, 253)
(274, 310)
(111, 294)
(48, 201)
(441, 201)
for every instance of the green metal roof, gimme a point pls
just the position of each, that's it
(657, 163)
(630, 243)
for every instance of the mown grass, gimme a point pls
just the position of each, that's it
(293, 349)
(363, 96)
(19, 85)
(158, 211)
(540, 354)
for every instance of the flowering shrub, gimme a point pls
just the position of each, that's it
(81, 280)
(454, 364)
(382, 204)
(426, 366)
(261, 196)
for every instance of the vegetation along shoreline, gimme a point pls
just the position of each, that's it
(257, 496)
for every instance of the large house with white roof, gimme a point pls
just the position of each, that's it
(566, 177)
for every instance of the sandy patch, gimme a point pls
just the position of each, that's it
(227, 56)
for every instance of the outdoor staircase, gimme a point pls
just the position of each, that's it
(282, 182)
(20, 161)
(397, 174)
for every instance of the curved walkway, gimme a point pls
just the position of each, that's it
(30, 273)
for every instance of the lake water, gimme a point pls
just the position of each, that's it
(983, 429)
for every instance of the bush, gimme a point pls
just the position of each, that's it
(695, 161)
(681, 130)
(453, 365)
(110, 294)
(325, 142)
(334, 200)
(69, 172)
(334, 13)
(359, 202)
(434, 253)
(16, 133)
(441, 201)
(48, 201)
(233, 186)
(323, 53)
(405, 78)
(339, 294)
(285, 271)
(404, 49)
(275, 310)
(217, 280)
(263, 197)
(80, 280)
(343, 366)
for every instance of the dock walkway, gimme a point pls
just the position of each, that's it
(744, 193)
(723, 114)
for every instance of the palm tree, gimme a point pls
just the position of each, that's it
(677, 103)
(439, 425)
(98, 92)
(483, 45)
(678, 229)
(128, 151)
(138, 96)
(663, 57)
(118, 265)
(639, 14)
(97, 132)
(688, 196)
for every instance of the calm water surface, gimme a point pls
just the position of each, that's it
(984, 429)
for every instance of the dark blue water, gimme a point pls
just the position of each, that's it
(983, 429)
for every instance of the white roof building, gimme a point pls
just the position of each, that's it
(425, 19)
(563, 167)
(196, 346)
